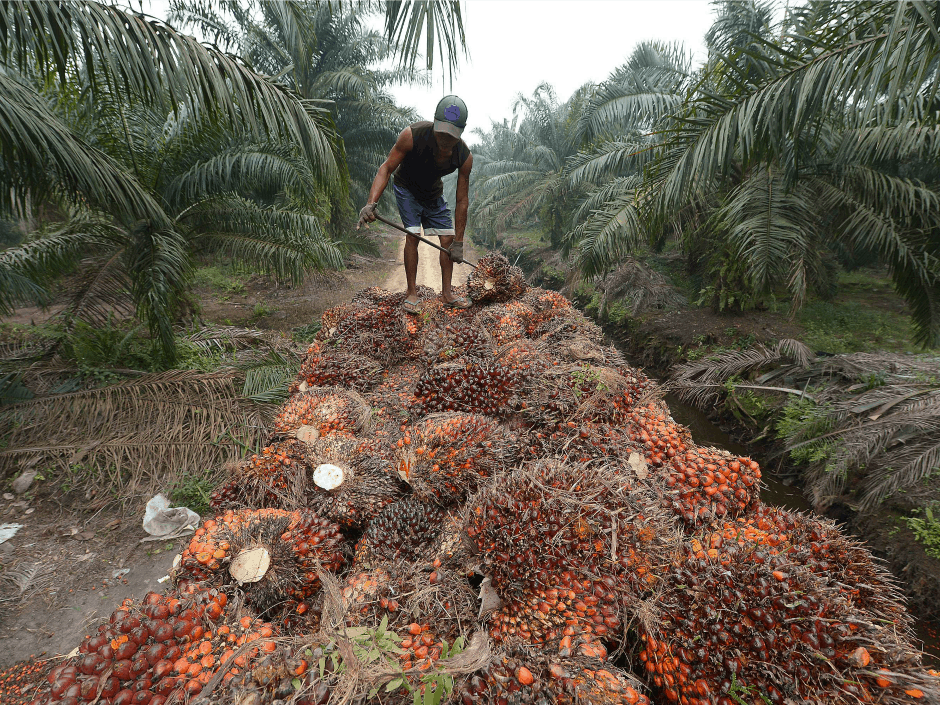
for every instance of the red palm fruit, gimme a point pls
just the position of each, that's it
(448, 455)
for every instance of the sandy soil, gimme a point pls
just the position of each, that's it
(429, 271)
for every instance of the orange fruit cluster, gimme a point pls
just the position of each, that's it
(494, 280)
(264, 478)
(297, 543)
(330, 413)
(445, 456)
(484, 387)
(711, 483)
(747, 594)
(331, 364)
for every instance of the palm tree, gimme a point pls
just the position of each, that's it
(520, 172)
(813, 140)
(142, 75)
(324, 54)
(618, 129)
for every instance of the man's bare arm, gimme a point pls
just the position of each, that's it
(403, 145)
(463, 198)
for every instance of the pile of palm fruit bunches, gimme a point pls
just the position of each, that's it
(490, 506)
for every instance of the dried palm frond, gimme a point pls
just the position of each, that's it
(701, 382)
(147, 429)
(891, 435)
(873, 414)
(641, 288)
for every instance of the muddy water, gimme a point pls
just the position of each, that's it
(777, 494)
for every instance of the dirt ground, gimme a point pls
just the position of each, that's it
(71, 564)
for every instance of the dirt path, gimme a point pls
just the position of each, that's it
(429, 270)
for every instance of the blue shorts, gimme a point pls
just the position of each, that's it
(433, 215)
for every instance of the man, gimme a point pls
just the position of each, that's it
(423, 153)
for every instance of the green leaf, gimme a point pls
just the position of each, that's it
(297, 683)
(394, 685)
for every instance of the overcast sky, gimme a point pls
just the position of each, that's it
(516, 44)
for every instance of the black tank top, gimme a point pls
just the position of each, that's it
(418, 172)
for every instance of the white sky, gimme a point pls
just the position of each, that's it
(516, 44)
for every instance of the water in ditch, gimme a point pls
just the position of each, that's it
(775, 493)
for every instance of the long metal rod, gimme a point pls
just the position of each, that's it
(422, 239)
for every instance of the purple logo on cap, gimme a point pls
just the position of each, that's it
(452, 113)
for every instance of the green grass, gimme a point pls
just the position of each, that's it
(854, 326)
(225, 280)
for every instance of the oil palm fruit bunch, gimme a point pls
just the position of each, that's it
(322, 412)
(571, 534)
(522, 677)
(558, 623)
(137, 655)
(835, 558)
(403, 531)
(728, 612)
(380, 331)
(711, 483)
(275, 477)
(484, 387)
(460, 339)
(504, 321)
(581, 391)
(541, 306)
(561, 331)
(652, 426)
(277, 677)
(526, 357)
(351, 481)
(329, 364)
(579, 441)
(272, 553)
(494, 279)
(234, 645)
(445, 456)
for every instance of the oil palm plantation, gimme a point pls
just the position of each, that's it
(520, 171)
(794, 141)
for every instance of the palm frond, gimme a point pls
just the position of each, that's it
(286, 243)
(147, 430)
(148, 59)
(40, 152)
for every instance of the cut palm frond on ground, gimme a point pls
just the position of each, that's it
(869, 421)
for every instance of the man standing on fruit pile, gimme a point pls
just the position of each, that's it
(424, 152)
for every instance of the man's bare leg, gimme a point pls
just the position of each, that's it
(447, 269)
(411, 267)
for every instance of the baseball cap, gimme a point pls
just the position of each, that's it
(450, 115)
